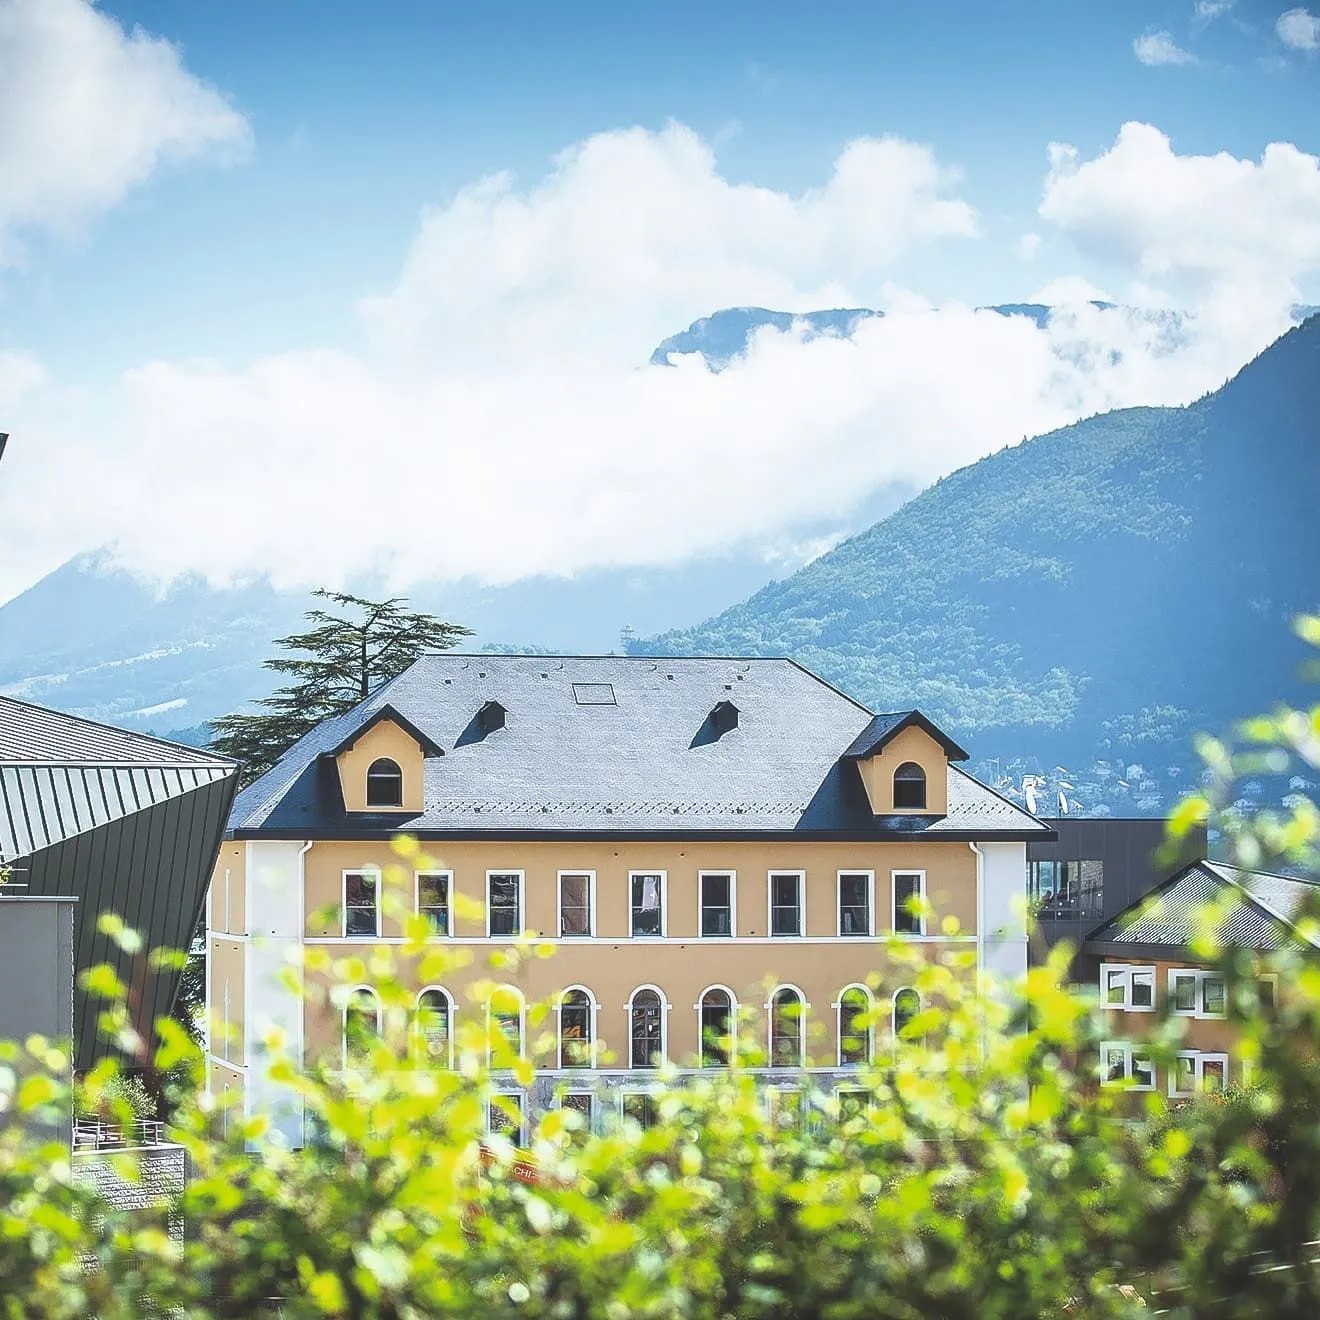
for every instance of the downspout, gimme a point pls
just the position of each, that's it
(302, 935)
(980, 936)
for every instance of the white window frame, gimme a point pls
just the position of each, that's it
(664, 904)
(375, 873)
(652, 1093)
(664, 1021)
(733, 903)
(453, 1009)
(869, 933)
(449, 899)
(1199, 977)
(353, 993)
(1272, 980)
(870, 1027)
(1127, 971)
(594, 1008)
(920, 873)
(1199, 1059)
(521, 1100)
(522, 901)
(770, 903)
(1131, 1053)
(733, 1023)
(559, 904)
(522, 1016)
(589, 1095)
(366, 786)
(895, 1039)
(774, 1098)
(851, 1088)
(802, 1024)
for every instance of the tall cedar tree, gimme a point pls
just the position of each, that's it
(338, 663)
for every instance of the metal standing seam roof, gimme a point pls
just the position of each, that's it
(1171, 915)
(649, 761)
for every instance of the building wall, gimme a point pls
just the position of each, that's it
(229, 890)
(228, 999)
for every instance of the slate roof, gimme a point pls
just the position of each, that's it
(888, 725)
(1168, 917)
(568, 760)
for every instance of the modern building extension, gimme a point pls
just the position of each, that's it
(122, 823)
(700, 839)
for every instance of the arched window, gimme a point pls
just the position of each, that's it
(435, 1026)
(646, 1028)
(504, 1022)
(384, 783)
(909, 787)
(907, 1004)
(361, 1024)
(788, 1025)
(577, 1011)
(856, 1031)
(716, 1020)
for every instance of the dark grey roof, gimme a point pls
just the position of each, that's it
(888, 725)
(1171, 914)
(647, 763)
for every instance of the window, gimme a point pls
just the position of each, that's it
(504, 1117)
(1123, 1064)
(361, 903)
(641, 1107)
(907, 1004)
(583, 1104)
(504, 1024)
(853, 1103)
(855, 1026)
(716, 902)
(361, 1024)
(1193, 1071)
(855, 902)
(384, 783)
(787, 1107)
(1129, 988)
(577, 1010)
(504, 903)
(576, 892)
(1196, 994)
(648, 903)
(1066, 889)
(788, 1024)
(646, 1028)
(435, 1017)
(1267, 993)
(909, 897)
(715, 1020)
(786, 903)
(909, 787)
(433, 900)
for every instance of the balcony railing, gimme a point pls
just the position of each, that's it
(95, 1134)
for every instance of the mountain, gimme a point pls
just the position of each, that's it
(1079, 604)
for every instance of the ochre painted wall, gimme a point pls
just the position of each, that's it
(227, 970)
(383, 739)
(229, 890)
(1209, 1035)
(913, 744)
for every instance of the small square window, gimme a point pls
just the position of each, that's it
(1131, 989)
(505, 1118)
(642, 1108)
(583, 1104)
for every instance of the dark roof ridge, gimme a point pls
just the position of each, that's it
(1258, 870)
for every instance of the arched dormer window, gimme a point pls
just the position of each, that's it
(909, 787)
(384, 783)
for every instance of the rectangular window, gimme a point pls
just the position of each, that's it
(787, 1107)
(909, 894)
(361, 903)
(647, 903)
(1196, 994)
(504, 1116)
(504, 902)
(1123, 1064)
(1194, 1072)
(433, 900)
(575, 904)
(1067, 889)
(855, 902)
(786, 903)
(1131, 989)
(853, 1103)
(641, 1107)
(716, 903)
(583, 1104)
(1267, 992)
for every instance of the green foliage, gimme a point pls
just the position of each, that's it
(334, 665)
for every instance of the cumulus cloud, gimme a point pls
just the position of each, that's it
(1299, 29)
(1158, 47)
(1027, 246)
(88, 111)
(1206, 11)
(500, 420)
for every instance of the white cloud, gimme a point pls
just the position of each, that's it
(1068, 291)
(88, 111)
(1299, 29)
(20, 373)
(500, 421)
(1158, 47)
(1206, 11)
(1027, 247)
(1216, 234)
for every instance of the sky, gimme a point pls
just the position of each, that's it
(289, 290)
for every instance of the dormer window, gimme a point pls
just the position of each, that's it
(491, 716)
(384, 783)
(724, 717)
(909, 787)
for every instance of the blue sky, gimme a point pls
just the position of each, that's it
(253, 228)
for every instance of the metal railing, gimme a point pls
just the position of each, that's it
(96, 1134)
